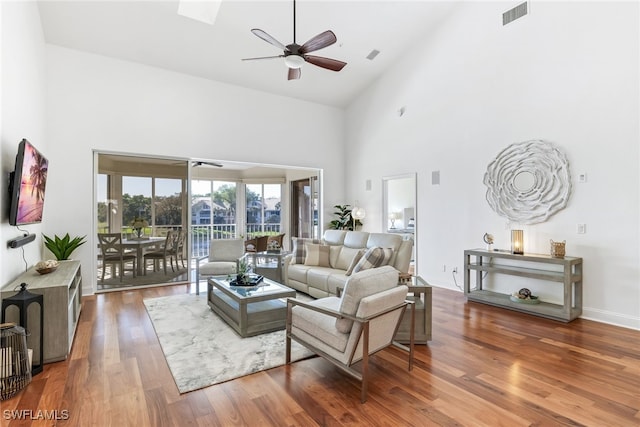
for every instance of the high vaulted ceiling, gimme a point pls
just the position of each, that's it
(153, 33)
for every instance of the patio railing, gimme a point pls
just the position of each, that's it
(201, 235)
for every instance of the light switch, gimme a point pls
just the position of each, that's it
(582, 228)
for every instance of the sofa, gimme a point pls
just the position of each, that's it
(319, 267)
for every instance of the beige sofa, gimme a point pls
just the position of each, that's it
(320, 279)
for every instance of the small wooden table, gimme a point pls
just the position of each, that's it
(250, 310)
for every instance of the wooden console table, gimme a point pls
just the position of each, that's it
(539, 267)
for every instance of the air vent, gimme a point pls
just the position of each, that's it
(373, 54)
(517, 12)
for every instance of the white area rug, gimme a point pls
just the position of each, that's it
(202, 350)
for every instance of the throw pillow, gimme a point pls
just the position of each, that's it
(372, 258)
(354, 262)
(345, 258)
(299, 252)
(317, 255)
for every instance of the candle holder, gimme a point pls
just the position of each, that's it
(517, 242)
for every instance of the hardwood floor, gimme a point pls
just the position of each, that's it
(485, 367)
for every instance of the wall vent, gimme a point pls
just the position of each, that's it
(373, 54)
(517, 12)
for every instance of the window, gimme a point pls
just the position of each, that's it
(264, 203)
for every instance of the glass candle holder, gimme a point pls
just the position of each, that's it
(517, 242)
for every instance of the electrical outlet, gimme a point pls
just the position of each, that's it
(455, 270)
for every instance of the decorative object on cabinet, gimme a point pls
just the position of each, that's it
(528, 182)
(517, 242)
(62, 248)
(558, 249)
(488, 239)
(22, 300)
(46, 267)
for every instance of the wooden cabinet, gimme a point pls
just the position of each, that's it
(62, 292)
(565, 271)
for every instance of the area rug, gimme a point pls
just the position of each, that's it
(202, 350)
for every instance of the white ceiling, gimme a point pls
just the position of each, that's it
(152, 33)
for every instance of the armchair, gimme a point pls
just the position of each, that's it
(222, 260)
(256, 244)
(348, 329)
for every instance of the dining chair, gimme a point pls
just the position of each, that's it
(161, 254)
(178, 246)
(113, 254)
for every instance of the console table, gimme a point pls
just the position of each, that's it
(62, 291)
(566, 271)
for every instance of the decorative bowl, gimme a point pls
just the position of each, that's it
(46, 270)
(46, 267)
(531, 300)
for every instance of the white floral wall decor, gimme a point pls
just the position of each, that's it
(528, 182)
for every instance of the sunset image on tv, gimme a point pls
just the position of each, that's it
(32, 185)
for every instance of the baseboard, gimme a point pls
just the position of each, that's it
(611, 318)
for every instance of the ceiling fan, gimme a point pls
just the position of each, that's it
(295, 55)
(196, 163)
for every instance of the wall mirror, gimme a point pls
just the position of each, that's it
(399, 213)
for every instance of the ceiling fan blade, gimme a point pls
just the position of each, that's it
(294, 74)
(269, 39)
(318, 42)
(328, 63)
(203, 163)
(263, 57)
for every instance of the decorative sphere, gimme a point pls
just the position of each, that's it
(524, 293)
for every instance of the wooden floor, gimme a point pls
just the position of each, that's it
(485, 367)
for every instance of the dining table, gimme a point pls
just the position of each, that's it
(139, 244)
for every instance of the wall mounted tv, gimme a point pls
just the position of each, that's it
(27, 184)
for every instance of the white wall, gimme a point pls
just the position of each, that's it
(567, 73)
(23, 116)
(99, 103)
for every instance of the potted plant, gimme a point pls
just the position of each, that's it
(345, 220)
(243, 271)
(62, 248)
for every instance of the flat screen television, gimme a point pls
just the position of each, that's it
(27, 185)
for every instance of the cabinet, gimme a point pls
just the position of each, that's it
(62, 295)
(566, 271)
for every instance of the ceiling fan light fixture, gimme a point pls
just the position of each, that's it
(294, 61)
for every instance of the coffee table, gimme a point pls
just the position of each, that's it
(250, 310)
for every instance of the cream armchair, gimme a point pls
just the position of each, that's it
(223, 258)
(348, 329)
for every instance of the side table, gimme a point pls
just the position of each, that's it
(420, 293)
(268, 264)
